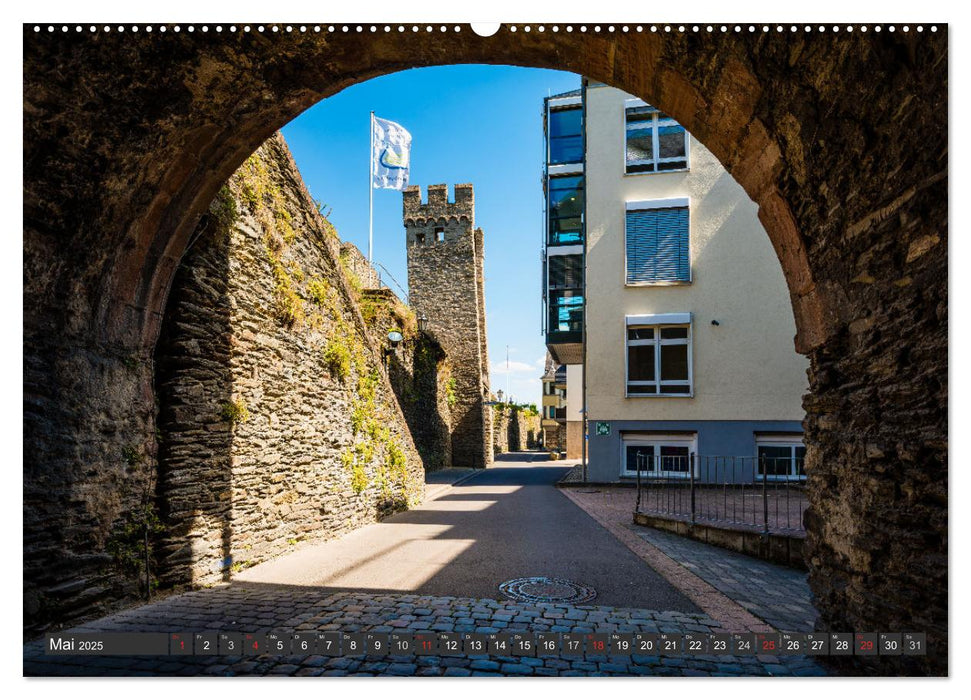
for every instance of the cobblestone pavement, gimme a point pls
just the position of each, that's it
(574, 476)
(258, 608)
(776, 594)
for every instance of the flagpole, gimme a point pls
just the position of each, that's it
(508, 397)
(370, 192)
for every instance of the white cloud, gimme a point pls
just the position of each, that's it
(523, 390)
(515, 367)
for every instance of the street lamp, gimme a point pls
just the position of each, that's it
(422, 323)
(394, 339)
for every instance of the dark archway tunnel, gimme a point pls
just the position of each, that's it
(841, 139)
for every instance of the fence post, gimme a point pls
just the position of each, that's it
(638, 462)
(765, 496)
(691, 478)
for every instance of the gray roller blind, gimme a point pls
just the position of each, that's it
(657, 245)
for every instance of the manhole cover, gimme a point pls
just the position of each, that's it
(542, 589)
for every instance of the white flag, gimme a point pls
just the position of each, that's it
(390, 156)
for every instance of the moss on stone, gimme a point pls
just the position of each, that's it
(347, 458)
(352, 278)
(337, 357)
(318, 291)
(395, 461)
(359, 480)
(288, 304)
(235, 411)
(131, 543)
(450, 398)
(224, 209)
(133, 457)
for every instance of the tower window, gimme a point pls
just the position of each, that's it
(419, 239)
(439, 234)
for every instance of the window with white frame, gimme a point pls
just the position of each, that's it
(657, 242)
(654, 141)
(659, 355)
(659, 455)
(781, 457)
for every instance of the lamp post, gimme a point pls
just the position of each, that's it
(422, 323)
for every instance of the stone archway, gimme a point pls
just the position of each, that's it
(841, 139)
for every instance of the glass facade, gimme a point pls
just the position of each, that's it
(566, 136)
(565, 311)
(564, 189)
(566, 272)
(565, 207)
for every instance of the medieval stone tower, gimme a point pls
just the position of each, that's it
(445, 283)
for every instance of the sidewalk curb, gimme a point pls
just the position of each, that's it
(439, 489)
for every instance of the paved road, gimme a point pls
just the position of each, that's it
(509, 521)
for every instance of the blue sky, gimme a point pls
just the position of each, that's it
(478, 124)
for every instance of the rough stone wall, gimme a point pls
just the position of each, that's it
(500, 430)
(877, 463)
(361, 273)
(487, 415)
(534, 432)
(420, 375)
(523, 431)
(89, 470)
(554, 438)
(445, 284)
(515, 429)
(277, 424)
(127, 140)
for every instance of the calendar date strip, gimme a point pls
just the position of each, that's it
(565, 645)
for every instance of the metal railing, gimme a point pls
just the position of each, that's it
(765, 494)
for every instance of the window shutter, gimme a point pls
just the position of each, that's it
(641, 246)
(657, 245)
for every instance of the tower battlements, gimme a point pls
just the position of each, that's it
(446, 285)
(437, 206)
